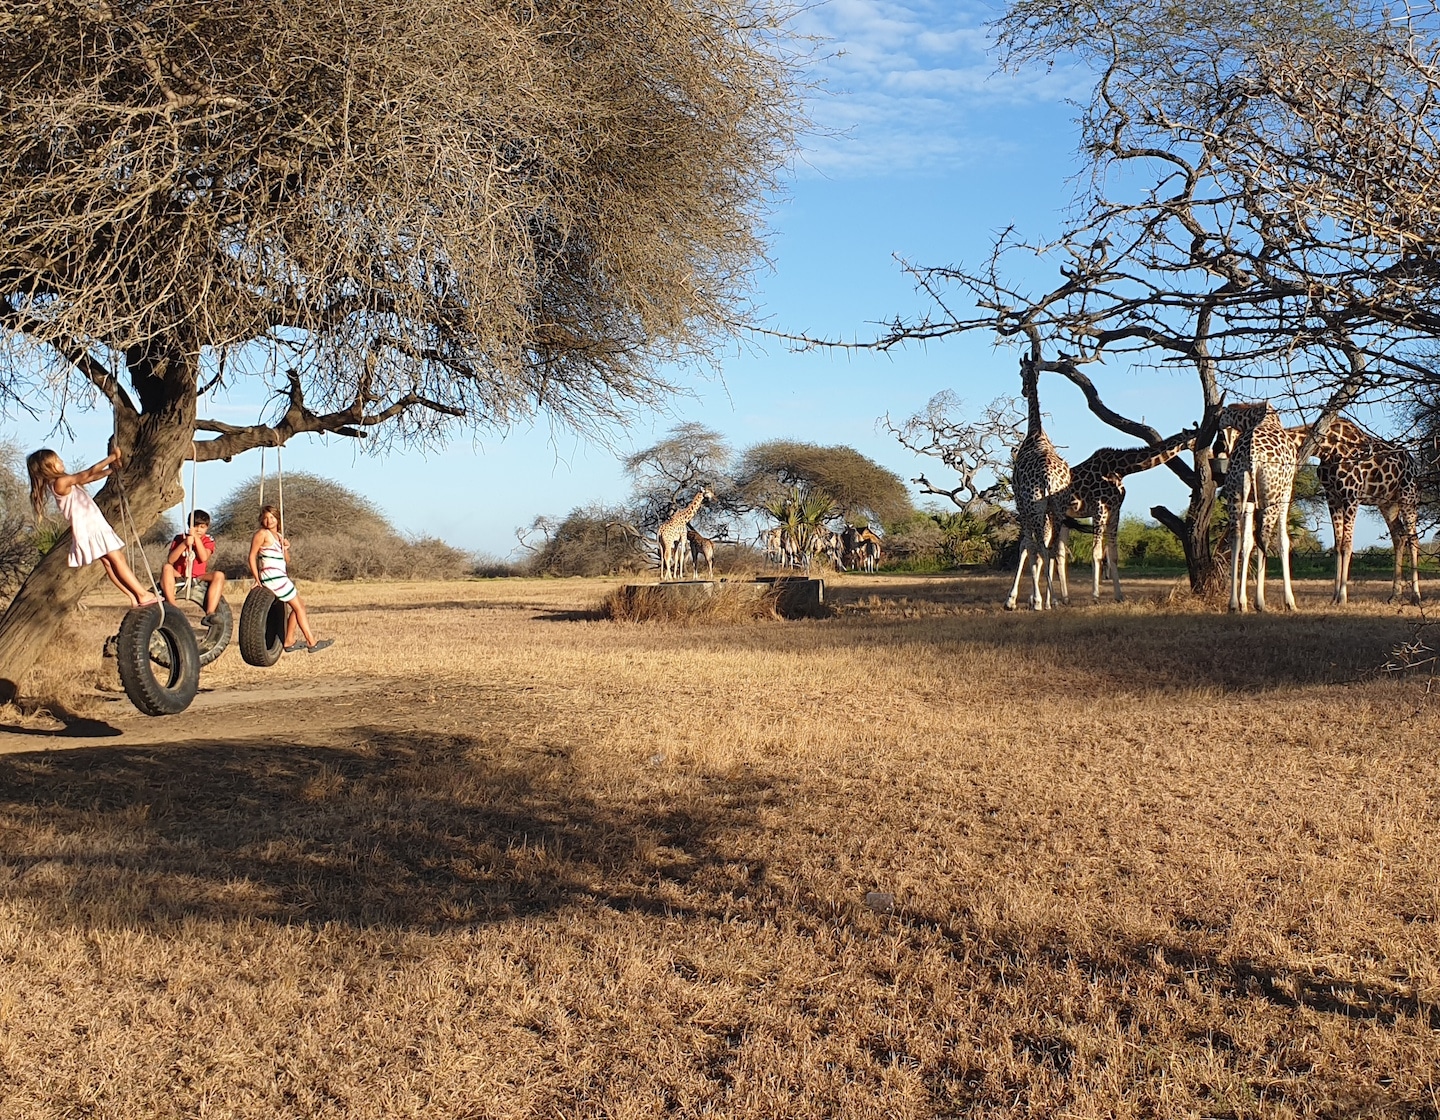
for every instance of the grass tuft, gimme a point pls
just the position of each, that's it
(725, 603)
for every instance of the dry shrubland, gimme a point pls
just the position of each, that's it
(492, 856)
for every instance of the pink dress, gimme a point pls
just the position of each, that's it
(90, 534)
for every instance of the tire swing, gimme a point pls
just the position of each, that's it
(213, 639)
(142, 631)
(160, 623)
(262, 617)
(210, 641)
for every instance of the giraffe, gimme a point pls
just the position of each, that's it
(701, 548)
(1097, 489)
(671, 533)
(1358, 469)
(870, 543)
(1259, 480)
(774, 545)
(1038, 475)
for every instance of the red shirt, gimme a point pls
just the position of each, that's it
(199, 570)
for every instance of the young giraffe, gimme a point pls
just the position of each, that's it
(1038, 475)
(671, 533)
(1097, 489)
(701, 548)
(1260, 478)
(1358, 469)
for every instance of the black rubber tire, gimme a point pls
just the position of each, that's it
(147, 692)
(262, 628)
(211, 642)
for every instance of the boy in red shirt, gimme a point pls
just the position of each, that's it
(193, 550)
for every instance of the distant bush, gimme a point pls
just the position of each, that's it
(589, 541)
(938, 539)
(22, 543)
(485, 566)
(334, 534)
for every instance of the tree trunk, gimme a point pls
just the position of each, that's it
(155, 442)
(1193, 529)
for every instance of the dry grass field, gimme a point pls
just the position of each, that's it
(492, 856)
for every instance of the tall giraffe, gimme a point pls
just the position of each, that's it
(671, 535)
(1358, 469)
(1038, 475)
(1097, 489)
(1260, 478)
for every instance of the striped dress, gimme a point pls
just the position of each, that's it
(271, 562)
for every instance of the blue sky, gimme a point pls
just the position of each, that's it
(922, 151)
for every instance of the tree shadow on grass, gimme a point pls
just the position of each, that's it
(1181, 996)
(402, 829)
(1097, 649)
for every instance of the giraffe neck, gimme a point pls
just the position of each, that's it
(1143, 458)
(1033, 428)
(682, 516)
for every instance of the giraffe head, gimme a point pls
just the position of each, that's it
(1028, 377)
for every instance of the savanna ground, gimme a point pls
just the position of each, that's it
(491, 856)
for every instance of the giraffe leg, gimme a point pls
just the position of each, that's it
(1261, 562)
(1097, 559)
(1019, 573)
(1283, 526)
(1345, 546)
(1062, 555)
(1112, 551)
(1342, 523)
(1241, 526)
(1040, 561)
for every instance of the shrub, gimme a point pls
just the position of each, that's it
(590, 541)
(726, 603)
(334, 535)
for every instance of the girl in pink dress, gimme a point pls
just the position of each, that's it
(91, 537)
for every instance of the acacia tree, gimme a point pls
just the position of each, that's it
(666, 474)
(408, 213)
(851, 485)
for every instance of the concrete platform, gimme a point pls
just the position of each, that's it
(796, 597)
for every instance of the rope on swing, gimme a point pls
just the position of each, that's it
(279, 482)
(125, 508)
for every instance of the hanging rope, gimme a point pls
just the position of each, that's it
(125, 509)
(190, 519)
(279, 482)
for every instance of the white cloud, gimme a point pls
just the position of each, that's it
(910, 84)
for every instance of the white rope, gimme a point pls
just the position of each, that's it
(125, 504)
(280, 485)
(279, 482)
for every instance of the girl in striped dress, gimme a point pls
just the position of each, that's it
(91, 537)
(269, 552)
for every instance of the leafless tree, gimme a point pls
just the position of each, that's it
(403, 215)
(976, 451)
